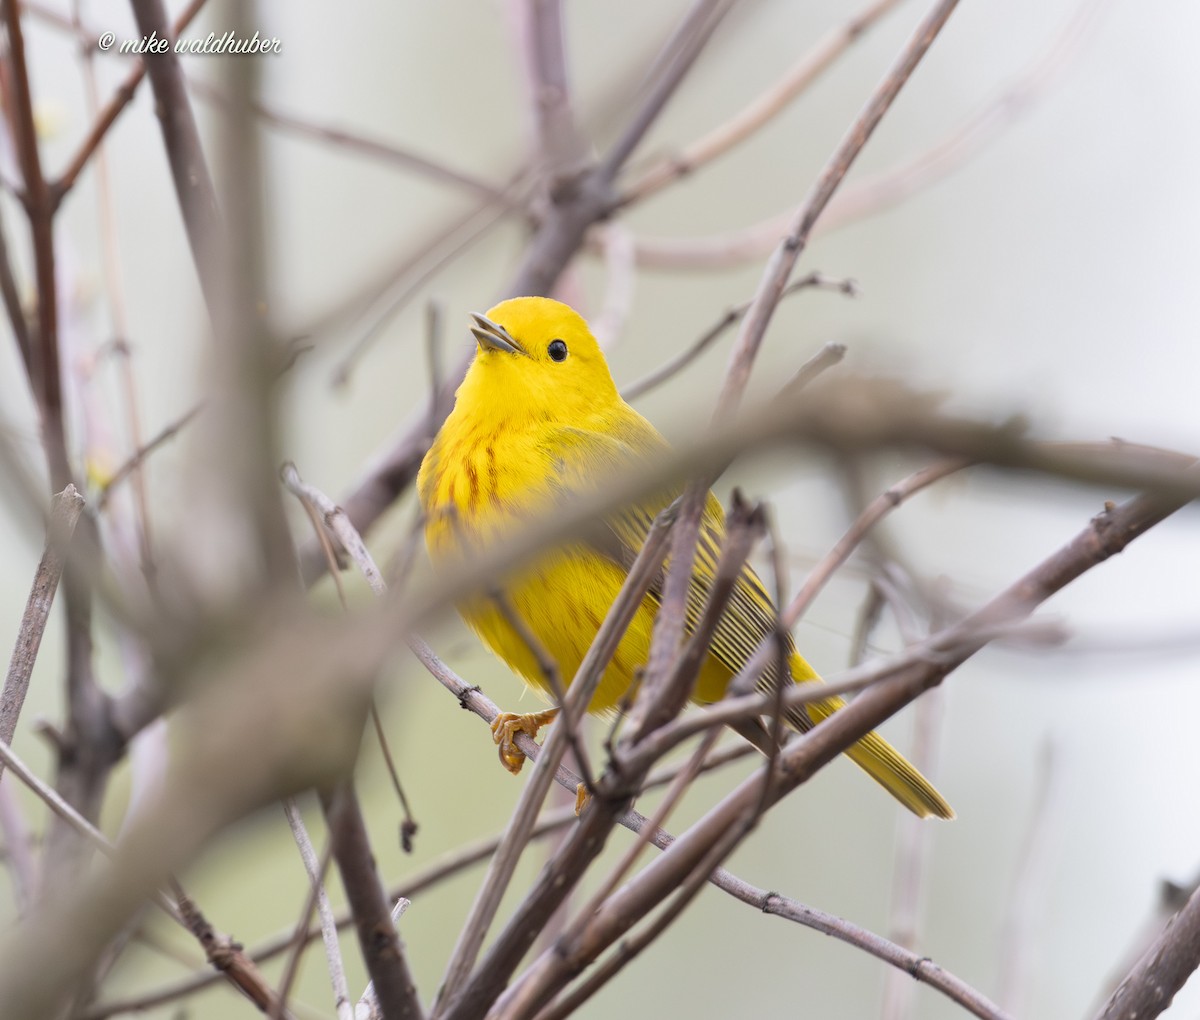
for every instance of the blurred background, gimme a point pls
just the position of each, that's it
(1051, 272)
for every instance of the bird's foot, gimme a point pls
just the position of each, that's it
(507, 725)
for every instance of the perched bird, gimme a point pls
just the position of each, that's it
(536, 419)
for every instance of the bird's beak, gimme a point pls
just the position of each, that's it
(493, 337)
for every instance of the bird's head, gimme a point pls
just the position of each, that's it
(536, 357)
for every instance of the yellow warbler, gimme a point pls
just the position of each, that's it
(538, 417)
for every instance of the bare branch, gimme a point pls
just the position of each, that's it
(65, 509)
(672, 65)
(779, 267)
(355, 142)
(560, 147)
(717, 329)
(377, 936)
(1032, 883)
(1149, 988)
(316, 868)
(881, 191)
(189, 169)
(112, 110)
(764, 108)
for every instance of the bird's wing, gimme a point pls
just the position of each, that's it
(585, 458)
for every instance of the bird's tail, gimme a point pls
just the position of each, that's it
(882, 762)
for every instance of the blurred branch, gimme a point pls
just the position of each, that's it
(914, 845)
(561, 149)
(425, 262)
(12, 305)
(670, 68)
(222, 952)
(113, 108)
(876, 193)
(353, 142)
(1032, 884)
(46, 374)
(138, 457)
(779, 266)
(1104, 537)
(558, 236)
(763, 109)
(316, 868)
(189, 169)
(381, 948)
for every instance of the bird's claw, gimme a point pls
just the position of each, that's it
(505, 728)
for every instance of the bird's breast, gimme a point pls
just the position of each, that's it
(477, 486)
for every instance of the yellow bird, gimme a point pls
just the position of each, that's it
(536, 419)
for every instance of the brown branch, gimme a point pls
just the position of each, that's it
(920, 968)
(1151, 985)
(377, 937)
(671, 67)
(65, 509)
(876, 193)
(112, 110)
(779, 267)
(46, 377)
(138, 457)
(225, 955)
(12, 305)
(352, 141)
(189, 170)
(1105, 536)
(560, 147)
(763, 109)
(731, 317)
(221, 951)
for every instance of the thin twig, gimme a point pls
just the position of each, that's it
(779, 267)
(548, 762)
(316, 868)
(1027, 903)
(718, 328)
(873, 194)
(189, 170)
(355, 142)
(112, 110)
(139, 456)
(672, 65)
(65, 508)
(762, 109)
(221, 951)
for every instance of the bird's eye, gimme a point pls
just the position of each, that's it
(557, 350)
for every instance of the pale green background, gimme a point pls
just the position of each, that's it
(1054, 276)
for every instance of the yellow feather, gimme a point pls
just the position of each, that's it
(536, 419)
